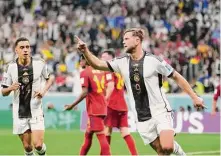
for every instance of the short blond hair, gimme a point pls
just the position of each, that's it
(139, 32)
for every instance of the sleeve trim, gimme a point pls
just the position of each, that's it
(5, 86)
(109, 66)
(171, 74)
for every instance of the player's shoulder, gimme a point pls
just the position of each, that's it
(150, 55)
(123, 56)
(84, 72)
(38, 60)
(10, 65)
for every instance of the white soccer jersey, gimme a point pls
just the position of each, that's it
(31, 78)
(143, 80)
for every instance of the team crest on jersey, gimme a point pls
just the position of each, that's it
(25, 78)
(136, 77)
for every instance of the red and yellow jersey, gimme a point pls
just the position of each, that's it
(94, 80)
(116, 100)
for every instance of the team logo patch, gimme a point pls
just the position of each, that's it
(136, 77)
(25, 78)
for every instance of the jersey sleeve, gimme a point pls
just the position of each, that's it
(114, 65)
(216, 93)
(163, 67)
(7, 79)
(84, 79)
(45, 72)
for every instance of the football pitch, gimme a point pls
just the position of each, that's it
(61, 142)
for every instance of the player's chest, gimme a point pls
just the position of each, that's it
(142, 69)
(26, 74)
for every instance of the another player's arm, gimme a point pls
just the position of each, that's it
(185, 86)
(164, 68)
(109, 89)
(215, 99)
(91, 59)
(49, 81)
(48, 84)
(6, 90)
(78, 100)
(7, 85)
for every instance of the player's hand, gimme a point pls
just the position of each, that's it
(198, 103)
(213, 113)
(38, 94)
(68, 107)
(14, 86)
(81, 46)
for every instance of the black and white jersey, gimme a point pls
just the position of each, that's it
(31, 78)
(143, 80)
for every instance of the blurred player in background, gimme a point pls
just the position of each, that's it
(117, 111)
(92, 82)
(215, 99)
(24, 77)
(142, 73)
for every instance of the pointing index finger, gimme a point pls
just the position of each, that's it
(77, 39)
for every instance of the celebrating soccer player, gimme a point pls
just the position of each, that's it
(24, 77)
(92, 82)
(142, 72)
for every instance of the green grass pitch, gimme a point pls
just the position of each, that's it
(60, 142)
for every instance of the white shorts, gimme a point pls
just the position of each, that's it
(23, 124)
(149, 130)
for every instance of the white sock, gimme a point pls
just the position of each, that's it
(29, 153)
(42, 151)
(178, 150)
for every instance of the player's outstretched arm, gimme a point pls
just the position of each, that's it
(7, 90)
(91, 59)
(78, 100)
(181, 81)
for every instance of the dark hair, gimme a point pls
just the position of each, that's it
(20, 39)
(109, 52)
(136, 32)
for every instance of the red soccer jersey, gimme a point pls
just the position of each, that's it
(116, 100)
(217, 93)
(95, 101)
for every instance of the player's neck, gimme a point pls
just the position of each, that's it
(138, 54)
(24, 62)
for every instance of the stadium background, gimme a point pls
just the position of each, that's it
(186, 33)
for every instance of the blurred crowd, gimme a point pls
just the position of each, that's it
(186, 33)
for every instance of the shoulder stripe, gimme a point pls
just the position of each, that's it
(156, 57)
(120, 57)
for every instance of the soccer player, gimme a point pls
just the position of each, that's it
(92, 82)
(215, 99)
(117, 111)
(24, 77)
(142, 73)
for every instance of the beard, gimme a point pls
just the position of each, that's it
(130, 50)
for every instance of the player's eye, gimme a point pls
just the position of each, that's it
(27, 47)
(22, 47)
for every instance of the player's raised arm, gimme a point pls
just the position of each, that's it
(91, 59)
